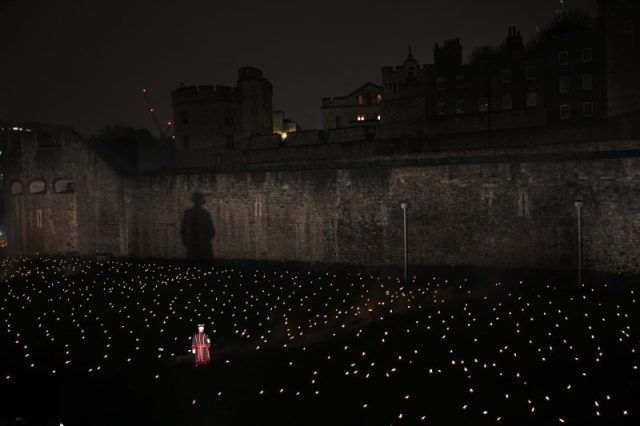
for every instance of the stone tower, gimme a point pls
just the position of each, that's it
(256, 102)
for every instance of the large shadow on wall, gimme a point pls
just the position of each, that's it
(196, 229)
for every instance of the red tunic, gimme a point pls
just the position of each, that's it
(201, 344)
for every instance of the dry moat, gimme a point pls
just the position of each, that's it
(104, 344)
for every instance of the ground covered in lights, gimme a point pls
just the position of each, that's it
(104, 344)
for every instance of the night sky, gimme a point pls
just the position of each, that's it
(84, 63)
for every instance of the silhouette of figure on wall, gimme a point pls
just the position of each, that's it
(197, 229)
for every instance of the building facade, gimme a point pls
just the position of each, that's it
(359, 108)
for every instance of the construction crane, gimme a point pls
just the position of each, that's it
(152, 111)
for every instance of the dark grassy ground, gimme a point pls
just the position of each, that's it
(451, 347)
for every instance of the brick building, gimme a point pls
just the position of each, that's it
(359, 108)
(404, 97)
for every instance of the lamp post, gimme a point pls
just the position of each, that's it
(404, 206)
(578, 204)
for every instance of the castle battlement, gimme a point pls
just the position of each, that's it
(203, 93)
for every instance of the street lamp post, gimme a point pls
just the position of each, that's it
(404, 206)
(578, 205)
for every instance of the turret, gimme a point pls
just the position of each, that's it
(256, 102)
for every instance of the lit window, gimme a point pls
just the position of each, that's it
(587, 81)
(379, 98)
(64, 185)
(16, 187)
(37, 187)
(360, 100)
(507, 102)
(563, 83)
(563, 57)
(459, 82)
(483, 104)
(565, 112)
(361, 117)
(587, 54)
(439, 83)
(505, 75)
(440, 108)
(460, 106)
(530, 73)
(587, 109)
(532, 99)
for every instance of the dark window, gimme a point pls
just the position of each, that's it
(505, 75)
(439, 83)
(523, 203)
(460, 106)
(440, 108)
(563, 83)
(185, 117)
(565, 112)
(185, 141)
(587, 81)
(369, 98)
(587, 109)
(337, 121)
(64, 185)
(532, 99)
(563, 58)
(459, 81)
(587, 54)
(530, 73)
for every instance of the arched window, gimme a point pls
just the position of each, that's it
(37, 187)
(360, 100)
(379, 98)
(369, 98)
(64, 185)
(16, 187)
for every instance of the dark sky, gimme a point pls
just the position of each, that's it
(83, 63)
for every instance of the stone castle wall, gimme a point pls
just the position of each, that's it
(499, 206)
(86, 220)
(496, 207)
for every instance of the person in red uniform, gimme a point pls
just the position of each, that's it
(200, 345)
